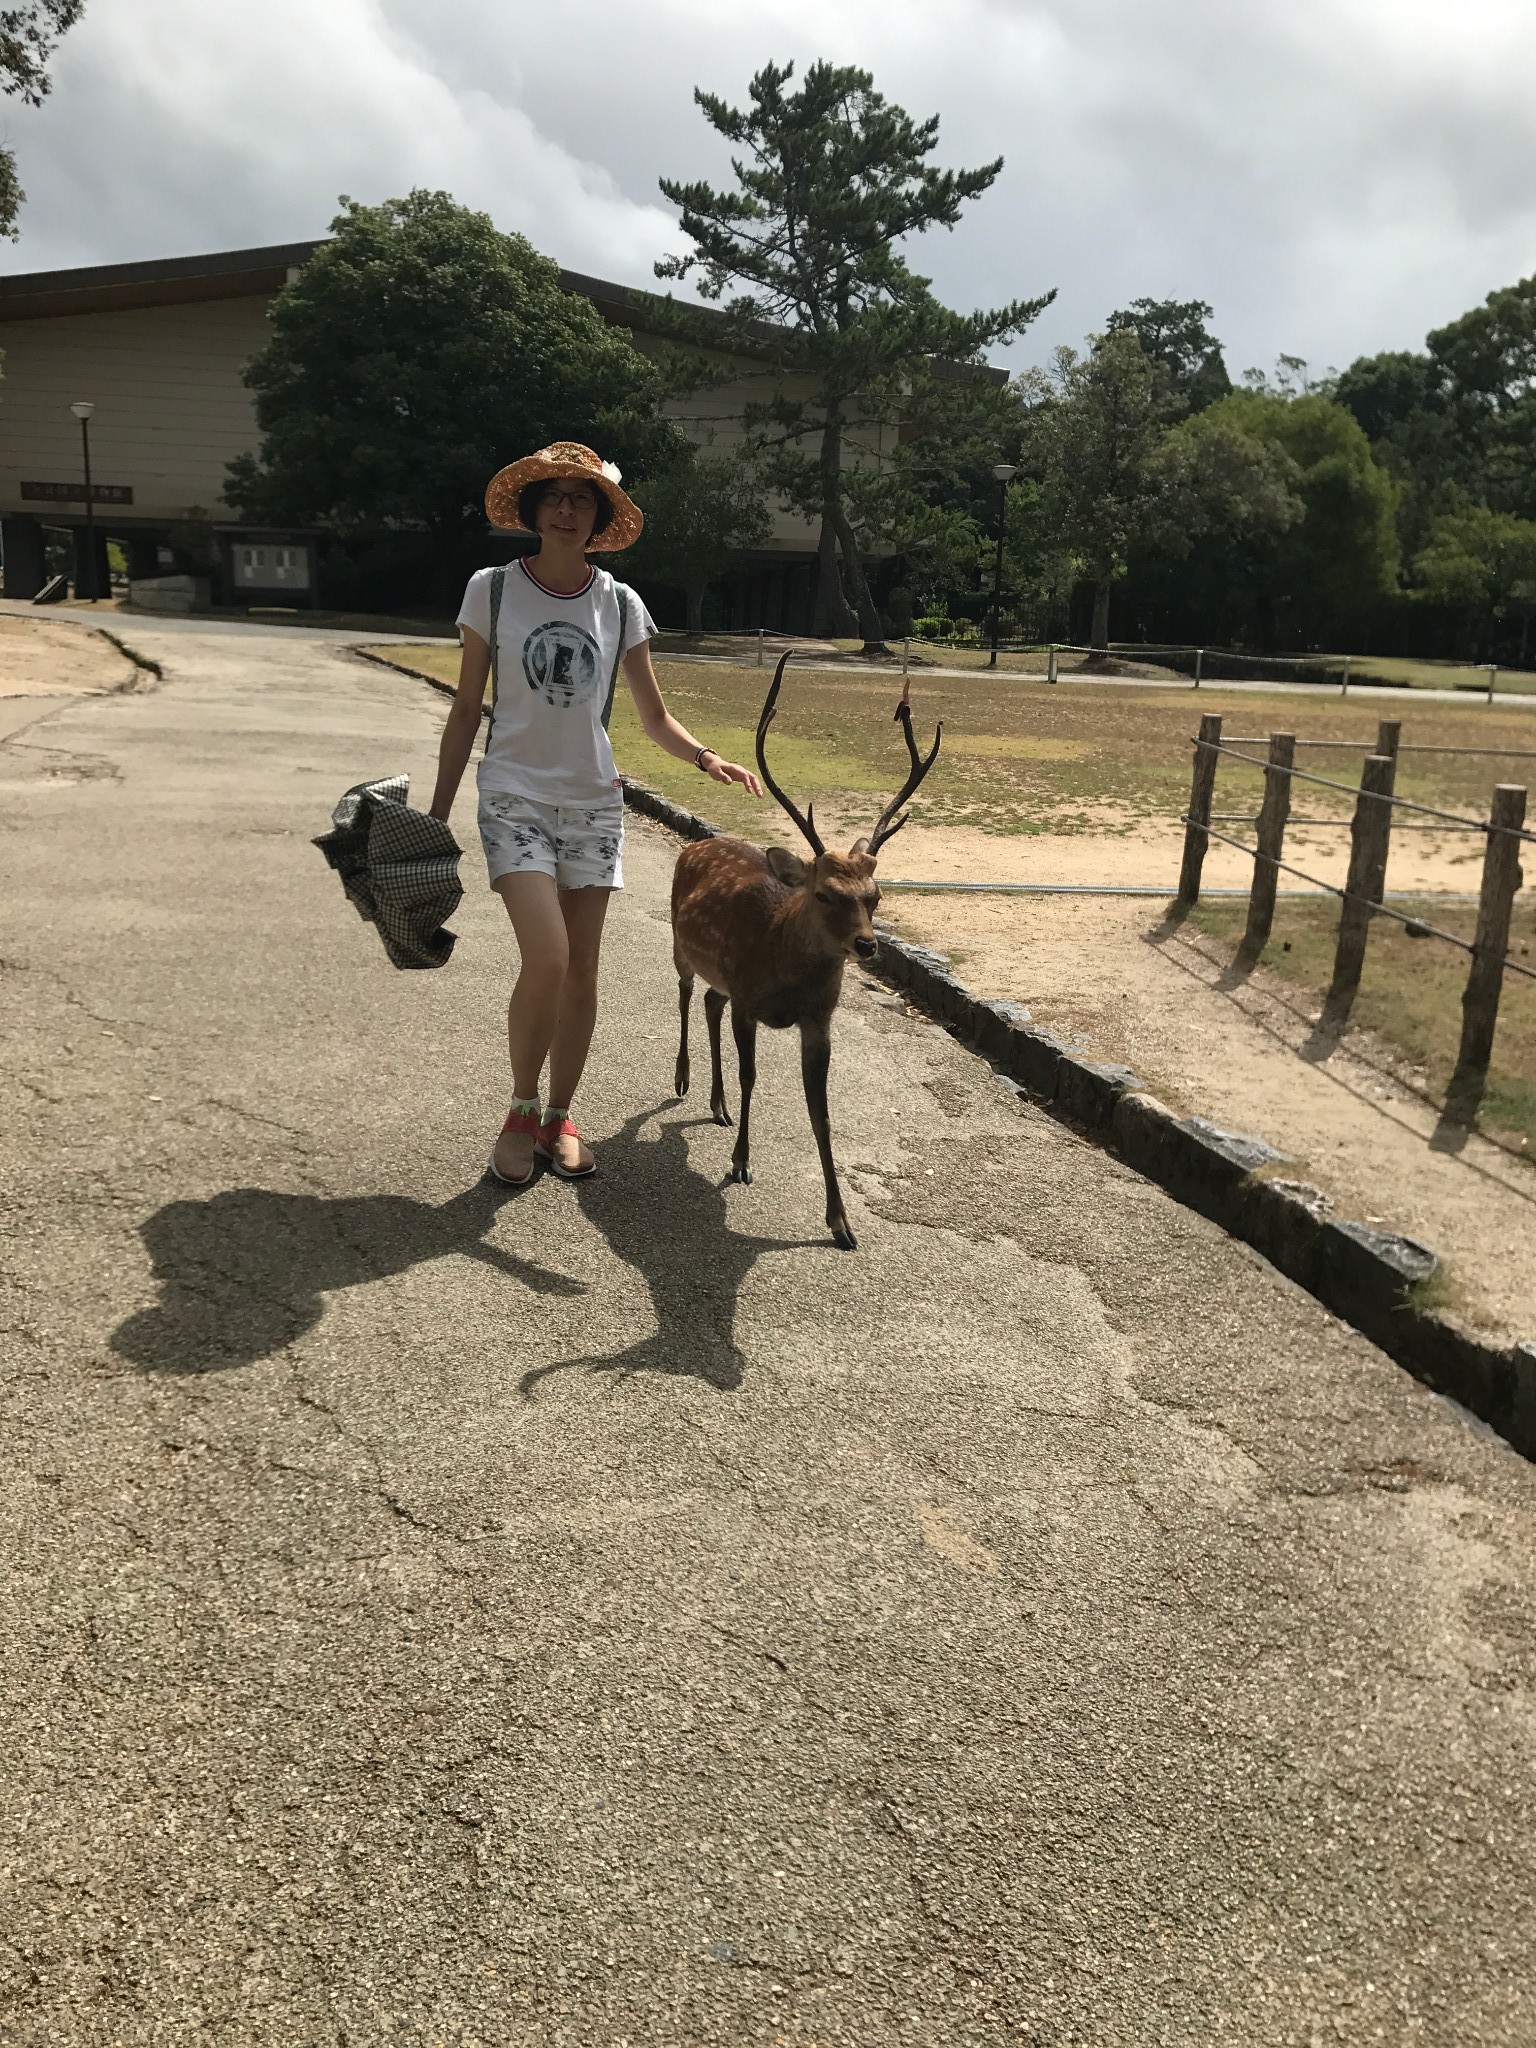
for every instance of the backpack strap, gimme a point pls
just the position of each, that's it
(498, 584)
(613, 680)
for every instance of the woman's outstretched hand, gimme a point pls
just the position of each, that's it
(731, 771)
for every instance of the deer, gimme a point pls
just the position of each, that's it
(770, 934)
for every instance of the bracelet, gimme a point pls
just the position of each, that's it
(698, 759)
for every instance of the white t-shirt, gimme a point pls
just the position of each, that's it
(555, 651)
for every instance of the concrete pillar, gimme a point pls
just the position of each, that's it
(26, 558)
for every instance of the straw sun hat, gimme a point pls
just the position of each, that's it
(565, 459)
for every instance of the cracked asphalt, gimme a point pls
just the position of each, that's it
(609, 1615)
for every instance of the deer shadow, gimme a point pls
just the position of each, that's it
(668, 1223)
(247, 1272)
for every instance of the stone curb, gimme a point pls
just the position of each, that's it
(1361, 1274)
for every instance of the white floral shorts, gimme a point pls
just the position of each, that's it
(580, 846)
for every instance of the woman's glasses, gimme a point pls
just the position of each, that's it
(580, 500)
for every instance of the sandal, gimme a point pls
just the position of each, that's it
(557, 1125)
(523, 1122)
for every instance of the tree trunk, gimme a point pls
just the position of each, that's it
(695, 597)
(853, 564)
(834, 619)
(1098, 638)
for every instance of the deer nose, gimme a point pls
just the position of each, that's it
(866, 948)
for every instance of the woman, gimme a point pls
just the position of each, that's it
(552, 634)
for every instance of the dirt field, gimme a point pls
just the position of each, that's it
(40, 659)
(1362, 1123)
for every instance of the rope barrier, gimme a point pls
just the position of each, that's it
(1401, 802)
(1382, 909)
(1339, 824)
(1260, 739)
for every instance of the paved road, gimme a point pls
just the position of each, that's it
(610, 1615)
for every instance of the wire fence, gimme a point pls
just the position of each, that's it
(1375, 815)
(1197, 666)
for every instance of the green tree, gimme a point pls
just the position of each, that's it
(1121, 474)
(417, 352)
(700, 517)
(1483, 563)
(1342, 556)
(1488, 360)
(829, 181)
(1175, 333)
(1125, 470)
(29, 35)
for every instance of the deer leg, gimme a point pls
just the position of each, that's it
(714, 1010)
(684, 1001)
(744, 1030)
(815, 1058)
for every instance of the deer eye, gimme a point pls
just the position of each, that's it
(822, 896)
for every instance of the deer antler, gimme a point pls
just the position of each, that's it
(807, 824)
(885, 828)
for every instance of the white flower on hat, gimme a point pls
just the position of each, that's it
(612, 471)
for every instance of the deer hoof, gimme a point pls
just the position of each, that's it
(680, 1083)
(842, 1235)
(741, 1172)
(723, 1116)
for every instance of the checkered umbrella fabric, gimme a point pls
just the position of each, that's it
(399, 867)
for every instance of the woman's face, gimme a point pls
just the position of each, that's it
(567, 509)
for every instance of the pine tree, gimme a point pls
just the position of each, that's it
(830, 180)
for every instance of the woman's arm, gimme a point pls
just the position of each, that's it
(663, 728)
(463, 722)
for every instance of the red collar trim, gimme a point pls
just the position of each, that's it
(591, 579)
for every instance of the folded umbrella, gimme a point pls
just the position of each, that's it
(399, 867)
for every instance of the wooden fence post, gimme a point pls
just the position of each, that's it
(1501, 878)
(1202, 784)
(1273, 813)
(1050, 663)
(1370, 838)
(1389, 734)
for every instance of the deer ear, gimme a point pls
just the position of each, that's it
(858, 847)
(787, 866)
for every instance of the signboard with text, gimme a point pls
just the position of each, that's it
(74, 494)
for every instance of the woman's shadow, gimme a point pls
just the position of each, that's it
(669, 1224)
(247, 1272)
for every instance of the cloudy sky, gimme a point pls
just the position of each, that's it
(1334, 176)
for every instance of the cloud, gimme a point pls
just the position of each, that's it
(1335, 176)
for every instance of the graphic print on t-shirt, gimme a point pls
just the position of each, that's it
(562, 663)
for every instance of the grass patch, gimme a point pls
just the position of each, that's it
(1410, 996)
(1020, 756)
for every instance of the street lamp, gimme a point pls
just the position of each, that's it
(82, 410)
(1003, 471)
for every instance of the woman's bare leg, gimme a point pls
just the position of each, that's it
(584, 911)
(533, 904)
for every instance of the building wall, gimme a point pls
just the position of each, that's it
(171, 410)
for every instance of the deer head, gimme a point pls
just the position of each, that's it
(840, 891)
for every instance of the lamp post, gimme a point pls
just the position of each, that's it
(82, 410)
(1003, 471)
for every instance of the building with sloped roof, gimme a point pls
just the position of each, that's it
(158, 349)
